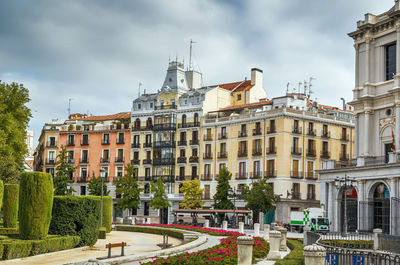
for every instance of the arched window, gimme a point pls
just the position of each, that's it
(183, 119)
(137, 123)
(196, 118)
(149, 123)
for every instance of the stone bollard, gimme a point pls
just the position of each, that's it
(274, 242)
(377, 232)
(257, 229)
(314, 255)
(241, 227)
(283, 246)
(224, 225)
(306, 229)
(266, 232)
(276, 227)
(148, 220)
(133, 221)
(245, 250)
(207, 223)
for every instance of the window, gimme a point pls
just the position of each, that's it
(146, 209)
(310, 169)
(106, 138)
(239, 97)
(208, 149)
(134, 211)
(272, 125)
(257, 146)
(148, 155)
(242, 147)
(196, 118)
(136, 140)
(310, 146)
(242, 170)
(198, 100)
(183, 136)
(148, 139)
(222, 148)
(85, 156)
(136, 155)
(52, 156)
(120, 155)
(182, 153)
(71, 139)
(70, 156)
(52, 141)
(310, 192)
(50, 171)
(223, 132)
(271, 144)
(295, 169)
(106, 155)
(390, 61)
(207, 172)
(296, 191)
(121, 138)
(83, 190)
(324, 130)
(194, 152)
(296, 124)
(206, 192)
(147, 172)
(325, 147)
(256, 169)
(120, 171)
(183, 119)
(194, 171)
(185, 101)
(221, 166)
(85, 139)
(106, 171)
(271, 168)
(151, 105)
(182, 171)
(84, 173)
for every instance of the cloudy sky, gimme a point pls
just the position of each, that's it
(97, 52)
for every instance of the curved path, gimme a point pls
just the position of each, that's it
(137, 243)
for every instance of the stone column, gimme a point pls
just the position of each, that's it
(266, 232)
(224, 225)
(377, 232)
(257, 229)
(367, 140)
(367, 59)
(283, 246)
(133, 220)
(245, 250)
(274, 242)
(397, 127)
(241, 227)
(207, 223)
(314, 255)
(356, 139)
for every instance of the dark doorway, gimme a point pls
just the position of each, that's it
(164, 216)
(388, 149)
(382, 208)
(352, 209)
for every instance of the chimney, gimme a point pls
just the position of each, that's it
(256, 76)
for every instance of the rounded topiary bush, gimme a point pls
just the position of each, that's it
(10, 209)
(35, 204)
(107, 212)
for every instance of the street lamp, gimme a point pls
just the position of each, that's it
(345, 182)
(68, 188)
(234, 193)
(102, 175)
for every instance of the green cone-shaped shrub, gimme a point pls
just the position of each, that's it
(107, 212)
(1, 193)
(10, 209)
(35, 204)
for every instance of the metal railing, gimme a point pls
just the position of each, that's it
(194, 142)
(257, 131)
(163, 161)
(297, 130)
(296, 174)
(207, 156)
(311, 152)
(194, 159)
(344, 137)
(146, 161)
(164, 144)
(296, 150)
(222, 155)
(181, 160)
(207, 137)
(50, 144)
(242, 153)
(325, 154)
(222, 136)
(182, 143)
(104, 160)
(270, 173)
(135, 162)
(257, 151)
(164, 127)
(271, 150)
(311, 132)
(389, 243)
(271, 129)
(326, 134)
(377, 160)
(147, 145)
(206, 177)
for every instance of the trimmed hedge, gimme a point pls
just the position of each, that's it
(35, 204)
(77, 215)
(151, 230)
(10, 209)
(15, 248)
(354, 244)
(8, 231)
(295, 257)
(102, 233)
(1, 193)
(107, 212)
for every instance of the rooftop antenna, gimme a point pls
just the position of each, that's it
(190, 54)
(287, 87)
(300, 83)
(140, 84)
(310, 85)
(54, 120)
(305, 87)
(69, 106)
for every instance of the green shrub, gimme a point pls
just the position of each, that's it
(35, 204)
(8, 231)
(17, 249)
(354, 244)
(76, 215)
(107, 212)
(10, 209)
(295, 257)
(151, 230)
(102, 233)
(1, 193)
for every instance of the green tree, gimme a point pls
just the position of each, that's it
(221, 198)
(192, 194)
(128, 188)
(159, 199)
(94, 186)
(63, 172)
(260, 198)
(14, 119)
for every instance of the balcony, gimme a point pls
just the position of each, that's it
(193, 177)
(207, 156)
(242, 134)
(311, 175)
(326, 134)
(120, 141)
(296, 174)
(255, 175)
(164, 107)
(270, 173)
(146, 161)
(194, 159)
(207, 137)
(163, 161)
(242, 153)
(164, 127)
(84, 160)
(147, 178)
(297, 130)
(147, 145)
(311, 196)
(135, 162)
(194, 142)
(311, 152)
(271, 150)
(143, 128)
(189, 124)
(180, 178)
(70, 161)
(344, 137)
(105, 141)
(85, 142)
(311, 132)
(51, 144)
(104, 160)
(50, 162)
(325, 154)
(344, 157)
(222, 155)
(257, 152)
(164, 144)
(165, 178)
(296, 151)
(242, 175)
(181, 160)
(257, 131)
(70, 143)
(135, 145)
(222, 136)
(206, 177)
(271, 129)
(296, 196)
(119, 160)
(82, 180)
(182, 143)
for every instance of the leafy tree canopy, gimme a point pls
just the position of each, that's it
(192, 194)
(159, 199)
(221, 199)
(128, 188)
(63, 172)
(260, 198)
(14, 119)
(94, 186)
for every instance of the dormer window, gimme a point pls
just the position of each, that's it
(198, 100)
(151, 105)
(139, 106)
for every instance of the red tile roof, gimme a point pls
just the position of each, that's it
(237, 86)
(249, 105)
(121, 115)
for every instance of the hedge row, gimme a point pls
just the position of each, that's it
(77, 215)
(102, 233)
(10, 209)
(107, 212)
(8, 231)
(1, 193)
(151, 230)
(295, 257)
(354, 244)
(35, 204)
(15, 248)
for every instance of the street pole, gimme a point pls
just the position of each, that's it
(345, 204)
(234, 208)
(101, 204)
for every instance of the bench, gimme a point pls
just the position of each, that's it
(116, 245)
